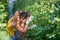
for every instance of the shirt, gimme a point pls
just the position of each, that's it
(11, 30)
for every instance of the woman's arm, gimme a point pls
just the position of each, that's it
(23, 30)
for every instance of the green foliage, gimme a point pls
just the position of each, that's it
(46, 17)
(5, 3)
(3, 20)
(4, 35)
(3, 12)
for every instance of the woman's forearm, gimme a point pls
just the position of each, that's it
(19, 28)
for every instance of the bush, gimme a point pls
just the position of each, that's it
(3, 20)
(3, 11)
(46, 17)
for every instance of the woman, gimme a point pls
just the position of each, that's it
(17, 25)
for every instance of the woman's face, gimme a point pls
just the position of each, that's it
(23, 20)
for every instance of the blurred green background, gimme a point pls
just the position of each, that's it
(46, 16)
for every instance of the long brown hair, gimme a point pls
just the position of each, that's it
(22, 14)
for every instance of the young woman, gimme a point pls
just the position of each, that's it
(17, 25)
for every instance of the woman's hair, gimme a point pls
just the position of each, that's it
(23, 14)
